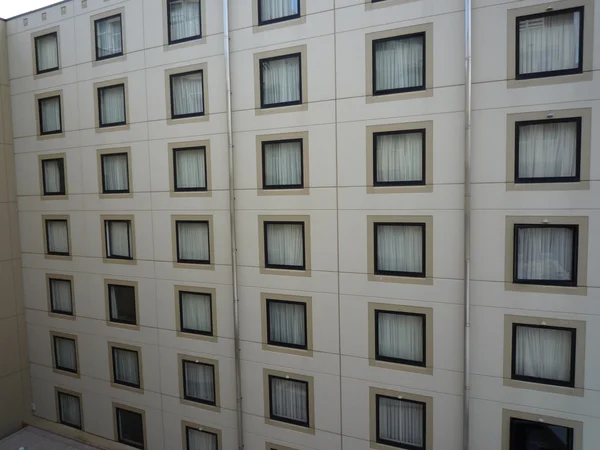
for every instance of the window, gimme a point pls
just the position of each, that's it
(111, 106)
(46, 53)
(130, 427)
(200, 439)
(286, 323)
(199, 382)
(281, 81)
(50, 115)
(53, 176)
(118, 239)
(109, 38)
(196, 313)
(126, 367)
(272, 11)
(546, 254)
(289, 400)
(282, 164)
(122, 304)
(187, 94)
(400, 422)
(284, 245)
(399, 158)
(400, 337)
(189, 169)
(193, 241)
(184, 20)
(528, 434)
(65, 353)
(399, 64)
(69, 409)
(115, 173)
(548, 151)
(550, 44)
(400, 249)
(57, 237)
(61, 296)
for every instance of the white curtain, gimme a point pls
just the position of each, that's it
(187, 94)
(196, 312)
(50, 111)
(549, 43)
(58, 236)
(53, 176)
(60, 292)
(281, 80)
(112, 105)
(275, 9)
(126, 366)
(66, 356)
(543, 353)
(46, 49)
(200, 440)
(285, 244)
(185, 19)
(400, 336)
(548, 150)
(399, 248)
(289, 399)
(108, 37)
(122, 303)
(401, 421)
(399, 63)
(193, 241)
(545, 253)
(190, 168)
(70, 410)
(399, 157)
(117, 238)
(199, 381)
(283, 164)
(287, 322)
(115, 172)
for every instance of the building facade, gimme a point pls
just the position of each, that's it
(348, 133)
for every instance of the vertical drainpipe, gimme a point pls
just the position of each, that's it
(232, 226)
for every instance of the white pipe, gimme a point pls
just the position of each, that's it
(232, 226)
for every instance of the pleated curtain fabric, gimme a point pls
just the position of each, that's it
(399, 63)
(399, 248)
(199, 381)
(543, 353)
(126, 366)
(193, 241)
(108, 37)
(196, 312)
(46, 50)
(53, 176)
(289, 399)
(400, 336)
(287, 322)
(401, 422)
(545, 253)
(115, 173)
(188, 98)
(190, 170)
(58, 236)
(50, 112)
(399, 157)
(285, 244)
(184, 19)
(276, 9)
(283, 164)
(112, 105)
(200, 440)
(117, 239)
(66, 356)
(281, 80)
(70, 412)
(60, 293)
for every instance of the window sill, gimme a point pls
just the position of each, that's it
(426, 281)
(197, 336)
(119, 195)
(67, 373)
(574, 186)
(288, 350)
(109, 128)
(417, 189)
(546, 81)
(126, 326)
(423, 93)
(182, 265)
(59, 257)
(213, 408)
(54, 197)
(401, 367)
(58, 315)
(205, 193)
(286, 272)
(545, 289)
(43, 137)
(279, 24)
(564, 390)
(129, 262)
(138, 390)
(281, 109)
(289, 426)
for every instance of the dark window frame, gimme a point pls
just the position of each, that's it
(409, 362)
(518, 445)
(268, 265)
(286, 344)
(261, 61)
(41, 116)
(61, 170)
(112, 124)
(107, 239)
(422, 273)
(193, 189)
(104, 19)
(574, 254)
(197, 399)
(113, 350)
(58, 311)
(548, 381)
(116, 191)
(120, 431)
(381, 440)
(264, 171)
(37, 62)
(48, 252)
(527, 180)
(192, 261)
(185, 39)
(191, 331)
(56, 365)
(552, 73)
(186, 115)
(110, 308)
(187, 436)
(421, 87)
(272, 416)
(60, 419)
(278, 19)
(422, 181)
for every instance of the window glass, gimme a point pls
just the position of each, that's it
(69, 410)
(399, 158)
(400, 423)
(281, 81)
(115, 173)
(130, 426)
(184, 20)
(284, 244)
(112, 105)
(196, 313)
(399, 249)
(199, 382)
(118, 239)
(282, 165)
(400, 337)
(201, 440)
(289, 400)
(286, 323)
(122, 304)
(399, 64)
(271, 11)
(46, 52)
(53, 173)
(193, 245)
(187, 95)
(57, 236)
(190, 169)
(60, 296)
(109, 41)
(50, 115)
(65, 354)
(526, 435)
(126, 367)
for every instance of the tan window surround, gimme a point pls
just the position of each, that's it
(256, 28)
(371, 130)
(271, 446)
(38, 119)
(426, 28)
(579, 327)
(104, 15)
(52, 276)
(37, 76)
(113, 151)
(307, 301)
(213, 308)
(588, 39)
(373, 392)
(586, 143)
(428, 344)
(211, 238)
(311, 400)
(111, 364)
(195, 426)
(261, 245)
(428, 221)
(176, 45)
(508, 414)
(121, 217)
(302, 49)
(134, 285)
(68, 257)
(266, 138)
(109, 83)
(205, 93)
(58, 391)
(41, 159)
(582, 222)
(190, 144)
(196, 359)
(73, 337)
(141, 412)
(369, 5)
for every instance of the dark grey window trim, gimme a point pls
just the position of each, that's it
(192, 261)
(190, 330)
(61, 170)
(266, 249)
(191, 189)
(379, 357)
(56, 365)
(396, 444)
(131, 291)
(111, 124)
(420, 182)
(37, 62)
(517, 441)
(266, 186)
(48, 252)
(120, 437)
(115, 191)
(40, 102)
(189, 38)
(107, 224)
(261, 62)
(194, 114)
(114, 350)
(378, 271)
(272, 416)
(60, 405)
(186, 396)
(270, 341)
(104, 19)
(60, 311)
(278, 19)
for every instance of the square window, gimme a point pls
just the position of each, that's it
(111, 106)
(528, 434)
(118, 239)
(286, 324)
(109, 37)
(399, 64)
(69, 410)
(193, 241)
(400, 249)
(46, 53)
(195, 313)
(130, 427)
(284, 245)
(546, 254)
(400, 337)
(126, 367)
(50, 115)
(272, 11)
(61, 296)
(281, 81)
(115, 173)
(184, 20)
(550, 44)
(53, 176)
(57, 237)
(199, 439)
(189, 169)
(289, 400)
(122, 304)
(282, 164)
(65, 354)
(400, 422)
(199, 382)
(399, 158)
(187, 94)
